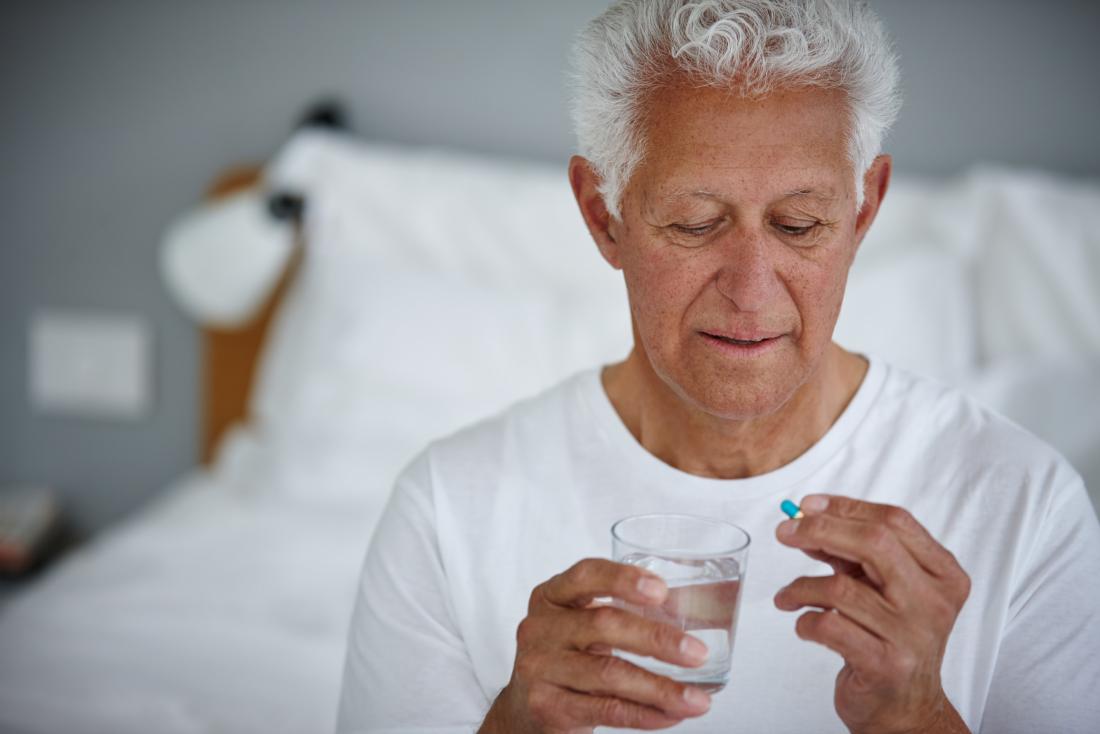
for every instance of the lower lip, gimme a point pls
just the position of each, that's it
(743, 350)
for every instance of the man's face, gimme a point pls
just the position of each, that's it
(740, 223)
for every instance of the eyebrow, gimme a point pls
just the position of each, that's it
(825, 194)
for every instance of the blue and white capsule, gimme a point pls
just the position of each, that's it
(793, 511)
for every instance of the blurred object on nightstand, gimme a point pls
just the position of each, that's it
(30, 520)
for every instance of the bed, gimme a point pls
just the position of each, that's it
(431, 289)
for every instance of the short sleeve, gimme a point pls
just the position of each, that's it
(1048, 667)
(407, 670)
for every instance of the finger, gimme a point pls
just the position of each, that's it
(625, 630)
(924, 548)
(612, 676)
(702, 606)
(590, 578)
(566, 709)
(874, 546)
(854, 599)
(839, 565)
(857, 646)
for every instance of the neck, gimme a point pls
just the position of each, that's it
(699, 443)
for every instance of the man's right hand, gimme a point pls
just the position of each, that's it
(565, 678)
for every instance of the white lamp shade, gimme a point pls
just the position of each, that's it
(222, 260)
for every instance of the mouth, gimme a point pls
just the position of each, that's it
(747, 343)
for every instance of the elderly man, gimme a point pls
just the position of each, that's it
(948, 561)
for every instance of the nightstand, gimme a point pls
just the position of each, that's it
(32, 535)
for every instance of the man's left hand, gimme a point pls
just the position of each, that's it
(887, 610)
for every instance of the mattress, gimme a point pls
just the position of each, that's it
(214, 610)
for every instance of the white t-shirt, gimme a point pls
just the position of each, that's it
(482, 517)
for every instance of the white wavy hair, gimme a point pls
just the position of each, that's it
(751, 46)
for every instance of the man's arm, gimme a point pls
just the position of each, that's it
(407, 667)
(1048, 667)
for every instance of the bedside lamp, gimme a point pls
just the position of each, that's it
(222, 260)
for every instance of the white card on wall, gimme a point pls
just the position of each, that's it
(91, 363)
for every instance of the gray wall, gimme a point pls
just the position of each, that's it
(117, 114)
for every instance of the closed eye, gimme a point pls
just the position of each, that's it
(795, 230)
(694, 230)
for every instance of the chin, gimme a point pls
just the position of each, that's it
(732, 393)
(740, 402)
(732, 397)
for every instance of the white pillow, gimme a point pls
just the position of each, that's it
(914, 309)
(1055, 397)
(435, 290)
(1037, 265)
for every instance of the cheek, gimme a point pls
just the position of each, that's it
(818, 290)
(665, 283)
(662, 284)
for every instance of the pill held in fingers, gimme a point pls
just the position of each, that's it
(793, 511)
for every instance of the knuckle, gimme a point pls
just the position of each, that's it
(964, 586)
(663, 636)
(898, 518)
(527, 667)
(541, 705)
(604, 620)
(525, 633)
(879, 538)
(572, 711)
(537, 595)
(815, 525)
(608, 672)
(616, 712)
(943, 613)
(839, 588)
(585, 571)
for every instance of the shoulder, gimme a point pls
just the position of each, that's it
(529, 430)
(951, 435)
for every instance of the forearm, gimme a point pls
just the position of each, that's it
(944, 720)
(949, 722)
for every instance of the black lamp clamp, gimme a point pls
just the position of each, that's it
(329, 114)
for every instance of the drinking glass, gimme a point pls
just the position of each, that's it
(703, 562)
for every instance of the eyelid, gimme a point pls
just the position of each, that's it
(806, 228)
(696, 230)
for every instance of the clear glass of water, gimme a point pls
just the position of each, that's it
(703, 562)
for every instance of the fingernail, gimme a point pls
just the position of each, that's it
(787, 528)
(696, 698)
(815, 502)
(693, 649)
(651, 587)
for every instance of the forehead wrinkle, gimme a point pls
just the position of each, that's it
(826, 195)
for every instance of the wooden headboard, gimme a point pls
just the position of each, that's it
(230, 356)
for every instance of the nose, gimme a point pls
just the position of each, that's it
(746, 275)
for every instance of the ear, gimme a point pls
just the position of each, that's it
(585, 182)
(875, 182)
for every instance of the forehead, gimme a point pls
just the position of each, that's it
(712, 141)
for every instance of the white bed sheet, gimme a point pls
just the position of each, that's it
(213, 610)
